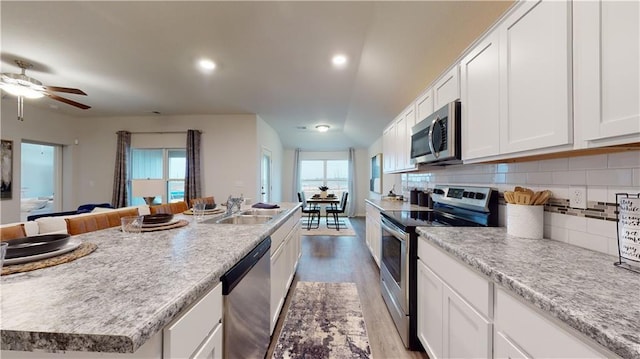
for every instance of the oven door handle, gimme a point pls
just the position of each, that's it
(397, 232)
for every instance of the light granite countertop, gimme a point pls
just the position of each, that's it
(395, 205)
(119, 296)
(581, 288)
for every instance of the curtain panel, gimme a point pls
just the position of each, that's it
(351, 204)
(193, 182)
(119, 197)
(296, 175)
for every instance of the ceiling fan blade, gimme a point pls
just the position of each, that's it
(64, 89)
(67, 101)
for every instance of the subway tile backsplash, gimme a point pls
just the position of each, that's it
(603, 176)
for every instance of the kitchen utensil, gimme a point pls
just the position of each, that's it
(523, 198)
(543, 198)
(509, 197)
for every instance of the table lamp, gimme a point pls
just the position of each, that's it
(148, 189)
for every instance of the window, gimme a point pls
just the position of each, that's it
(166, 164)
(331, 173)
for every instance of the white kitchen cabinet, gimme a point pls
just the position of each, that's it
(389, 148)
(196, 328)
(401, 152)
(212, 347)
(430, 311)
(480, 99)
(504, 348)
(373, 231)
(538, 335)
(535, 79)
(606, 54)
(285, 254)
(424, 105)
(449, 325)
(447, 88)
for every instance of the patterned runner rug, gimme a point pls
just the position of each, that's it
(324, 321)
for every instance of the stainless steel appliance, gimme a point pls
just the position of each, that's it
(453, 206)
(436, 139)
(247, 290)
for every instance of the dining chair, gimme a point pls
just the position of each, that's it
(311, 212)
(335, 211)
(205, 200)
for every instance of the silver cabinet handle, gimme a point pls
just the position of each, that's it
(433, 150)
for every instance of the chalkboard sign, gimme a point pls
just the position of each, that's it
(628, 214)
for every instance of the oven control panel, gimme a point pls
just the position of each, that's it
(474, 198)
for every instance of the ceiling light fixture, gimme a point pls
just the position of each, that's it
(322, 128)
(207, 64)
(339, 60)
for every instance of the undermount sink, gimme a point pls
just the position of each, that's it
(245, 219)
(263, 212)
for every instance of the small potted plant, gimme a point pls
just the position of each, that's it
(323, 191)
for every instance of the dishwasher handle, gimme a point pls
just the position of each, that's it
(234, 275)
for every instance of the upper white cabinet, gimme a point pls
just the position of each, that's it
(536, 69)
(606, 71)
(515, 84)
(480, 99)
(424, 105)
(447, 88)
(396, 142)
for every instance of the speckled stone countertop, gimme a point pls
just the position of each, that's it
(582, 288)
(119, 296)
(395, 205)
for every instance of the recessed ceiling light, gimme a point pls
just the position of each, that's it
(207, 64)
(322, 128)
(339, 60)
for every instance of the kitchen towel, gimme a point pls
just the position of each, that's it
(265, 205)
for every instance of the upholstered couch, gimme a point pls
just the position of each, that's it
(85, 208)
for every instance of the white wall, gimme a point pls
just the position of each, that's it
(38, 126)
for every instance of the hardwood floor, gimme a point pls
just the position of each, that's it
(347, 259)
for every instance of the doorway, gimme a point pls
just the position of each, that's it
(265, 177)
(40, 175)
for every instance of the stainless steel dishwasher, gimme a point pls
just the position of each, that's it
(246, 290)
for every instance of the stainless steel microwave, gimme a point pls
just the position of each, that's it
(436, 139)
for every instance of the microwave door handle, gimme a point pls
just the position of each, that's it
(430, 138)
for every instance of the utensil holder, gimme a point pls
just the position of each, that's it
(525, 221)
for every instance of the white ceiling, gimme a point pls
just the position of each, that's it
(273, 58)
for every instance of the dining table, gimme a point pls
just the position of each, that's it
(333, 201)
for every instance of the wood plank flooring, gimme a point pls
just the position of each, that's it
(347, 259)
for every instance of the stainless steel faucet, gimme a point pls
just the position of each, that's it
(234, 204)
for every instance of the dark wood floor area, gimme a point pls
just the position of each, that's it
(347, 259)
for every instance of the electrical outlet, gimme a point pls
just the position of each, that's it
(578, 197)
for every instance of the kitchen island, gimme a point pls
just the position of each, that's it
(123, 294)
(565, 284)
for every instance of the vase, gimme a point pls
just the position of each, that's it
(323, 194)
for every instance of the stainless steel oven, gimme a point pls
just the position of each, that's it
(459, 206)
(394, 274)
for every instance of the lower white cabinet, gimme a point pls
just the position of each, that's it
(530, 334)
(373, 232)
(449, 326)
(212, 346)
(504, 348)
(284, 261)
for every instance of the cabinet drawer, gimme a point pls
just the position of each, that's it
(281, 233)
(184, 335)
(536, 334)
(471, 286)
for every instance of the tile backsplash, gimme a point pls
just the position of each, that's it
(602, 175)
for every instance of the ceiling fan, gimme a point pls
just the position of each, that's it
(23, 86)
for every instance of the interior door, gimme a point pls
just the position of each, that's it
(265, 176)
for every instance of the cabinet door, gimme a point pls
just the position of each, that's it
(410, 121)
(447, 89)
(480, 99)
(424, 105)
(535, 80)
(278, 282)
(212, 347)
(429, 311)
(388, 148)
(466, 333)
(504, 348)
(606, 58)
(402, 154)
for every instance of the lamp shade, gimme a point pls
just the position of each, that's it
(148, 188)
